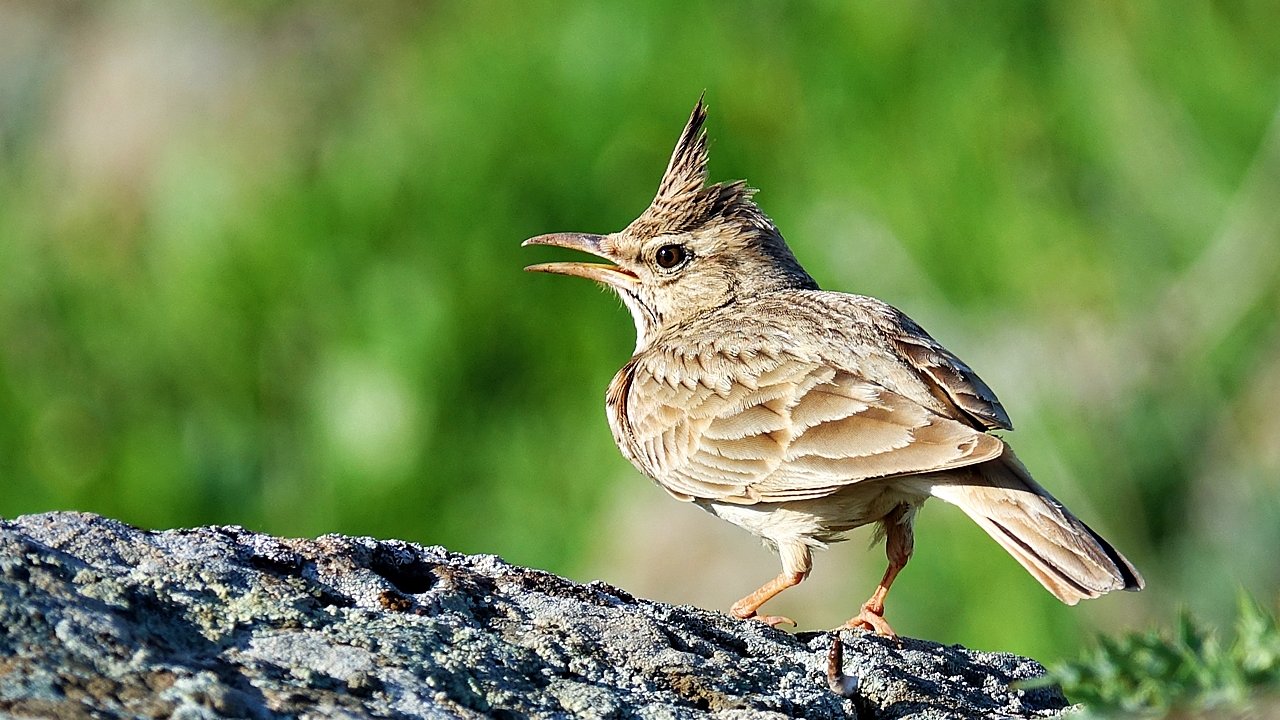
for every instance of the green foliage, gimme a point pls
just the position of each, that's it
(1187, 670)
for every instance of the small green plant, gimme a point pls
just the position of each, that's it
(1186, 672)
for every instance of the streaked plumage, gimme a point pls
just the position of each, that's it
(799, 414)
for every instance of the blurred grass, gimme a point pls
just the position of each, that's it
(261, 266)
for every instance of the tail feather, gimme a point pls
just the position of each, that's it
(1071, 560)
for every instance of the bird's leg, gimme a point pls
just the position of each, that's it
(899, 542)
(796, 563)
(747, 606)
(872, 615)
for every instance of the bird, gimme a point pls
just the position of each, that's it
(800, 414)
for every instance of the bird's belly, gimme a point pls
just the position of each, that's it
(820, 520)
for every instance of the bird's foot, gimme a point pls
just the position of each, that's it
(746, 610)
(872, 619)
(772, 621)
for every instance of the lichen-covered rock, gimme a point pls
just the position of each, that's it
(99, 619)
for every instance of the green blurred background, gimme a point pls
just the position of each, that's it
(260, 264)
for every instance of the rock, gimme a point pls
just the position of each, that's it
(100, 619)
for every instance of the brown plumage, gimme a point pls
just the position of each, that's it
(800, 414)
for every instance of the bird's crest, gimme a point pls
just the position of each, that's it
(683, 202)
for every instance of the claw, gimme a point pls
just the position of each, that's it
(774, 621)
(871, 620)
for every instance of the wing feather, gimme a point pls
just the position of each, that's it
(951, 380)
(766, 417)
(781, 428)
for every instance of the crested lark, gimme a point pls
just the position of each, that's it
(800, 414)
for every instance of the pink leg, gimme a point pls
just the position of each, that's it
(796, 563)
(747, 606)
(899, 542)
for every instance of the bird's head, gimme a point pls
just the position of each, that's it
(696, 248)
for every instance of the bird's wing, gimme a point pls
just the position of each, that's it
(771, 429)
(947, 377)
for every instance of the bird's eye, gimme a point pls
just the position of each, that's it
(670, 256)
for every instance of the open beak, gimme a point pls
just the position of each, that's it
(610, 275)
